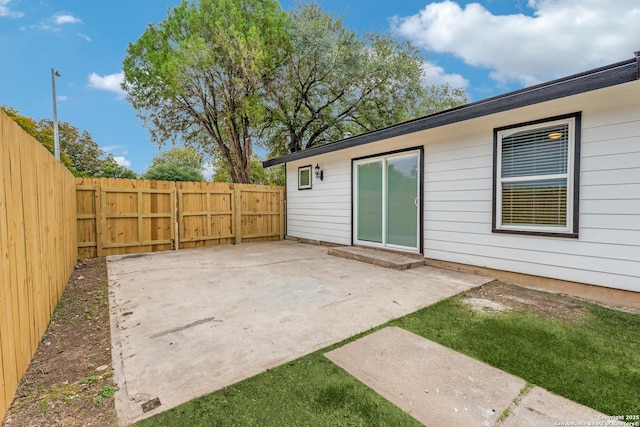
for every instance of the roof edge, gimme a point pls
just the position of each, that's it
(598, 78)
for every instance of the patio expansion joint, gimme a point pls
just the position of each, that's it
(514, 404)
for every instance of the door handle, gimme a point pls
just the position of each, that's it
(415, 202)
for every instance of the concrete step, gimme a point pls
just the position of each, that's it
(382, 258)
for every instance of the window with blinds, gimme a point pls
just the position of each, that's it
(534, 177)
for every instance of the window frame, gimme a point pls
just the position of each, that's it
(300, 170)
(572, 176)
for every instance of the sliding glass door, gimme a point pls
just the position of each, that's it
(387, 201)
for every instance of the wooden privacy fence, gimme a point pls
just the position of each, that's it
(122, 216)
(37, 248)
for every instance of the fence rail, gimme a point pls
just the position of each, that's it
(121, 216)
(48, 220)
(37, 248)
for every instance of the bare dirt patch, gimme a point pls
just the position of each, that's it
(69, 381)
(512, 297)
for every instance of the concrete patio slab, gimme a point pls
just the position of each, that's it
(440, 387)
(190, 322)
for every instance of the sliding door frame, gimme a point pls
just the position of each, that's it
(420, 151)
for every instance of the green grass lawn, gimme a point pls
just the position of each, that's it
(594, 361)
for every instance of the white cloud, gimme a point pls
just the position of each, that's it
(43, 27)
(207, 171)
(62, 98)
(436, 75)
(54, 23)
(65, 18)
(114, 148)
(8, 13)
(110, 82)
(84, 37)
(562, 36)
(122, 161)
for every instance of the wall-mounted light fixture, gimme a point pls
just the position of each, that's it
(319, 172)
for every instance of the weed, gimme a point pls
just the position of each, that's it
(43, 405)
(90, 380)
(108, 390)
(55, 316)
(516, 401)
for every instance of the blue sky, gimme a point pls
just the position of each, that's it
(488, 47)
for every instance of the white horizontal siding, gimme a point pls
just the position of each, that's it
(455, 217)
(612, 279)
(458, 182)
(609, 176)
(459, 185)
(611, 236)
(457, 175)
(524, 245)
(607, 191)
(611, 162)
(324, 211)
(458, 197)
(609, 222)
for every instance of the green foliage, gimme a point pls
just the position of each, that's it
(176, 164)
(197, 76)
(109, 168)
(172, 173)
(26, 123)
(78, 151)
(336, 82)
(217, 74)
(440, 98)
(108, 391)
(78, 146)
(43, 135)
(258, 174)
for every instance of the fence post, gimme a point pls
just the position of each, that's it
(281, 194)
(237, 212)
(98, 209)
(175, 196)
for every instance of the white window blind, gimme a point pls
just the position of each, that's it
(530, 153)
(534, 178)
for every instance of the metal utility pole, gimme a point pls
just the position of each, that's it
(54, 74)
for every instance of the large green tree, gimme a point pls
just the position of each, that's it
(109, 168)
(176, 164)
(199, 75)
(78, 151)
(336, 82)
(78, 146)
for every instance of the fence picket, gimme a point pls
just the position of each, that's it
(49, 219)
(37, 246)
(130, 216)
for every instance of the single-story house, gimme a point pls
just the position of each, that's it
(542, 181)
